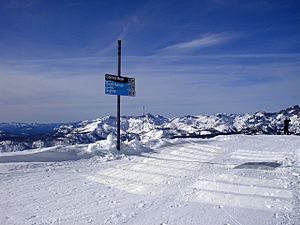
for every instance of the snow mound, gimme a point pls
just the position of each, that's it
(105, 149)
(108, 149)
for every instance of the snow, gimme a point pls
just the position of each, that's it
(18, 137)
(179, 182)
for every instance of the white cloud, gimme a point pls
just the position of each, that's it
(72, 89)
(203, 42)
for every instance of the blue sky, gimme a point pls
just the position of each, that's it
(188, 57)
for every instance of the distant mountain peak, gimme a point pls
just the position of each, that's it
(149, 125)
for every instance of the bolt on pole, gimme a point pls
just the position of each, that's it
(119, 100)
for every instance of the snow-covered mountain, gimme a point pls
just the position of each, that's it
(20, 136)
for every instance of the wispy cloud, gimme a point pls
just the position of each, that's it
(203, 42)
(50, 90)
(127, 24)
(124, 27)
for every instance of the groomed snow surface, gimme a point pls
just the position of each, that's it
(234, 180)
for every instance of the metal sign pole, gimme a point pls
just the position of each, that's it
(119, 100)
(118, 85)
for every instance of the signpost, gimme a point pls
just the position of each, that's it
(117, 85)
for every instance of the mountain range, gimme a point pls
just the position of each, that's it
(22, 136)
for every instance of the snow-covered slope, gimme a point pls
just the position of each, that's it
(13, 138)
(235, 179)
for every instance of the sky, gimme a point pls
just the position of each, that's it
(188, 57)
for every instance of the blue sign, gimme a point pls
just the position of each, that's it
(115, 85)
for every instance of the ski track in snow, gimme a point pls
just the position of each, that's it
(195, 182)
